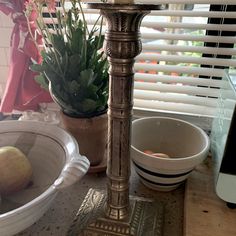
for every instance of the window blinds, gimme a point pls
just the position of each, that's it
(185, 51)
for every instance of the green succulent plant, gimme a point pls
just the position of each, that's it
(74, 67)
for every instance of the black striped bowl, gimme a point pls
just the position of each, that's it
(186, 144)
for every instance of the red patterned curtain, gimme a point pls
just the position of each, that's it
(21, 92)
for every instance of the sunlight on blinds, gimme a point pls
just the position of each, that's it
(185, 51)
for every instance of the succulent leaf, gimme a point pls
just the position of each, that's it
(73, 65)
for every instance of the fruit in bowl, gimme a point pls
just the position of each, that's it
(56, 164)
(156, 154)
(166, 150)
(15, 169)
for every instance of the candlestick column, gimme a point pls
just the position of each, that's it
(122, 45)
(115, 212)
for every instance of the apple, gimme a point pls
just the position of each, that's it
(15, 170)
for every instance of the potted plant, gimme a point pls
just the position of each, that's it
(75, 71)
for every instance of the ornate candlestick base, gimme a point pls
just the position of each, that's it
(145, 218)
(115, 213)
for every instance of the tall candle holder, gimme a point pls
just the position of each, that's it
(115, 212)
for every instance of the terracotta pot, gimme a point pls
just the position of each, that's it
(91, 135)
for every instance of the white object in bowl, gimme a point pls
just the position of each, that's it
(56, 163)
(186, 144)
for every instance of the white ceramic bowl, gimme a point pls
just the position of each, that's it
(186, 144)
(56, 163)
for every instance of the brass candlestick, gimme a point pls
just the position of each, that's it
(117, 213)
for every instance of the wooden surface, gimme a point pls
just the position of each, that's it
(204, 213)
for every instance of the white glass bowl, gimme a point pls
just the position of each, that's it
(56, 162)
(186, 144)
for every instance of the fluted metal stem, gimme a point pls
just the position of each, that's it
(122, 216)
(122, 45)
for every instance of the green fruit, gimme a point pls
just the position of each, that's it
(15, 170)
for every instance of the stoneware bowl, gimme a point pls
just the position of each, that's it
(56, 164)
(186, 145)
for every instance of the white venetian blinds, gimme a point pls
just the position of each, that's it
(180, 68)
(185, 50)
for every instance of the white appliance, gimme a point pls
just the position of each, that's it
(223, 142)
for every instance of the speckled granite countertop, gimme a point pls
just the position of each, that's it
(59, 217)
